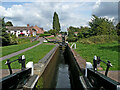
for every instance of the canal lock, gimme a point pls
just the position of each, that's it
(61, 72)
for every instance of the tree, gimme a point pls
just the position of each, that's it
(56, 24)
(53, 32)
(118, 29)
(6, 38)
(101, 26)
(74, 29)
(8, 23)
(84, 32)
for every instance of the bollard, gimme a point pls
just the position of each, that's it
(88, 65)
(30, 65)
(8, 63)
(95, 63)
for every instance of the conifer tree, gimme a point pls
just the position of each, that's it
(56, 24)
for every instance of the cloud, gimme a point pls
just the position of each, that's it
(109, 9)
(41, 14)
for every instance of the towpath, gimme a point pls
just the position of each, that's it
(21, 51)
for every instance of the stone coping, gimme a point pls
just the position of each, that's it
(42, 64)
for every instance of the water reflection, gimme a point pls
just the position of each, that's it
(56, 75)
(63, 80)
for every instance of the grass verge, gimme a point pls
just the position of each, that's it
(99, 39)
(52, 38)
(107, 51)
(14, 48)
(23, 40)
(34, 54)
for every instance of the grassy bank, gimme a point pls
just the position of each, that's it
(23, 40)
(107, 51)
(51, 38)
(34, 54)
(14, 48)
(99, 39)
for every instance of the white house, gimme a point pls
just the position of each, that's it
(23, 31)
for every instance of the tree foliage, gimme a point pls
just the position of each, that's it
(101, 26)
(118, 29)
(84, 32)
(98, 26)
(9, 23)
(6, 38)
(74, 29)
(53, 32)
(56, 24)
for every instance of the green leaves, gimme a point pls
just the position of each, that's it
(53, 32)
(102, 26)
(7, 39)
(118, 29)
(9, 24)
(56, 24)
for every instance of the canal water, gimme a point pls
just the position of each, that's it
(56, 75)
(62, 77)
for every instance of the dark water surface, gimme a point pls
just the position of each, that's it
(62, 78)
(56, 75)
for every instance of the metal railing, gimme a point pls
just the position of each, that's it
(21, 60)
(97, 60)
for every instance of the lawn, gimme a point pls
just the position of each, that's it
(107, 51)
(14, 48)
(51, 38)
(23, 40)
(34, 54)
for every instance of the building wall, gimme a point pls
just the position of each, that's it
(27, 31)
(18, 32)
(34, 33)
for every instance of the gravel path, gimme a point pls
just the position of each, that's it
(19, 52)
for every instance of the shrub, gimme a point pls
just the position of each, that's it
(72, 39)
(42, 35)
(23, 40)
(99, 39)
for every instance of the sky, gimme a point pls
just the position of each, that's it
(70, 13)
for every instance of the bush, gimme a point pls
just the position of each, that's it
(42, 35)
(72, 39)
(99, 39)
(13, 39)
(23, 40)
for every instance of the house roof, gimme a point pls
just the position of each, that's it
(37, 28)
(17, 28)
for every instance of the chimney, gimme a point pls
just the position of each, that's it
(28, 25)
